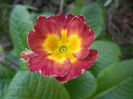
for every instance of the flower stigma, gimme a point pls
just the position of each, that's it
(63, 49)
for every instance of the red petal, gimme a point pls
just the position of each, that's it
(63, 20)
(79, 66)
(36, 37)
(77, 25)
(48, 67)
(82, 18)
(82, 54)
(44, 26)
(35, 62)
(35, 42)
(59, 19)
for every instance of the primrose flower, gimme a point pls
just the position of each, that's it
(60, 47)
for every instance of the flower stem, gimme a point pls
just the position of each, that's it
(61, 6)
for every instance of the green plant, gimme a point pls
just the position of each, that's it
(109, 78)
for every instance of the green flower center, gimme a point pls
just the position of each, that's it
(62, 49)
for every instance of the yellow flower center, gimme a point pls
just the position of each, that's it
(63, 47)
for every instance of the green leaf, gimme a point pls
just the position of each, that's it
(46, 14)
(82, 87)
(20, 24)
(5, 78)
(94, 17)
(109, 53)
(78, 7)
(34, 17)
(76, 11)
(23, 65)
(116, 81)
(26, 85)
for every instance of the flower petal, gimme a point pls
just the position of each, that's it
(44, 26)
(78, 26)
(82, 54)
(79, 66)
(35, 42)
(82, 18)
(63, 20)
(48, 67)
(58, 19)
(36, 37)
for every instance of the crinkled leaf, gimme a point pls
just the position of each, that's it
(109, 52)
(116, 81)
(78, 7)
(76, 10)
(82, 87)
(5, 78)
(94, 17)
(27, 85)
(20, 24)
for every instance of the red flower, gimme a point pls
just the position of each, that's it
(61, 46)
